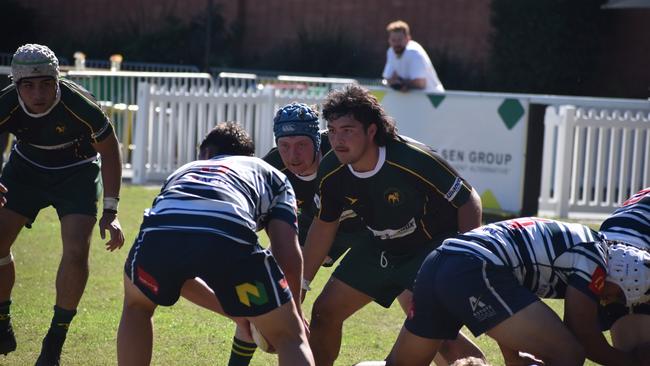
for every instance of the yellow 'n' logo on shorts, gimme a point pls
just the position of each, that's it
(248, 293)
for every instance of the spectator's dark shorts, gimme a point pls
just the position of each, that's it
(245, 278)
(73, 190)
(377, 273)
(452, 290)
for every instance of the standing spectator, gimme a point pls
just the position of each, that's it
(207, 214)
(407, 195)
(64, 141)
(491, 279)
(407, 64)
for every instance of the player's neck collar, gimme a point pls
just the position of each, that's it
(380, 162)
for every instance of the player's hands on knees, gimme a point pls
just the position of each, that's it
(3, 190)
(110, 222)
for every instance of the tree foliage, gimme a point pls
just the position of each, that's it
(18, 24)
(547, 46)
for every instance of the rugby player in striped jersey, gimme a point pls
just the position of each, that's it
(629, 326)
(491, 280)
(203, 224)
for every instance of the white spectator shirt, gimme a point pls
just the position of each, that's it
(413, 63)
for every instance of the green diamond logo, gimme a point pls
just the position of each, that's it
(436, 99)
(511, 112)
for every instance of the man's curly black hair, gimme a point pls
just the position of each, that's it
(359, 103)
(228, 138)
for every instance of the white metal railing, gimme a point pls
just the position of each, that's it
(171, 123)
(122, 86)
(141, 66)
(593, 159)
(310, 84)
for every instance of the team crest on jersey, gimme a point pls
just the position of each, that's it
(59, 129)
(393, 197)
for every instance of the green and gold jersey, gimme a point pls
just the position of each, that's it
(64, 136)
(410, 197)
(306, 189)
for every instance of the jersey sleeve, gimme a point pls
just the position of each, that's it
(328, 198)
(283, 205)
(8, 105)
(435, 172)
(273, 157)
(589, 271)
(83, 105)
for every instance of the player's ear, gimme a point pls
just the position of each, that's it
(207, 152)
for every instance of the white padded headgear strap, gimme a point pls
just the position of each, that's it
(629, 268)
(6, 260)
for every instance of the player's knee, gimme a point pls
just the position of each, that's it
(325, 312)
(570, 353)
(6, 260)
(76, 255)
(575, 356)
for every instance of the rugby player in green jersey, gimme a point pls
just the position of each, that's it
(64, 142)
(409, 198)
(300, 148)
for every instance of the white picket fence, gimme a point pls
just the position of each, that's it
(172, 123)
(593, 160)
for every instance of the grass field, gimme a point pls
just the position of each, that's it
(184, 333)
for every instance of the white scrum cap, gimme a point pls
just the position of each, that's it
(629, 268)
(33, 60)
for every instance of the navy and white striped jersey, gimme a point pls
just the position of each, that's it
(231, 196)
(631, 222)
(544, 255)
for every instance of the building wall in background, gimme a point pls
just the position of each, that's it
(458, 28)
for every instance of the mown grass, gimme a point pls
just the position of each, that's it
(184, 333)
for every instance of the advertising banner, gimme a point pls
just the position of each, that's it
(482, 136)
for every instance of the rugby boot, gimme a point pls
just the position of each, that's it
(7, 340)
(51, 351)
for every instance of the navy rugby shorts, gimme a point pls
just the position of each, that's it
(245, 278)
(453, 289)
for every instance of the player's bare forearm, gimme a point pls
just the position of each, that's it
(109, 151)
(581, 317)
(3, 190)
(319, 241)
(470, 213)
(286, 251)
